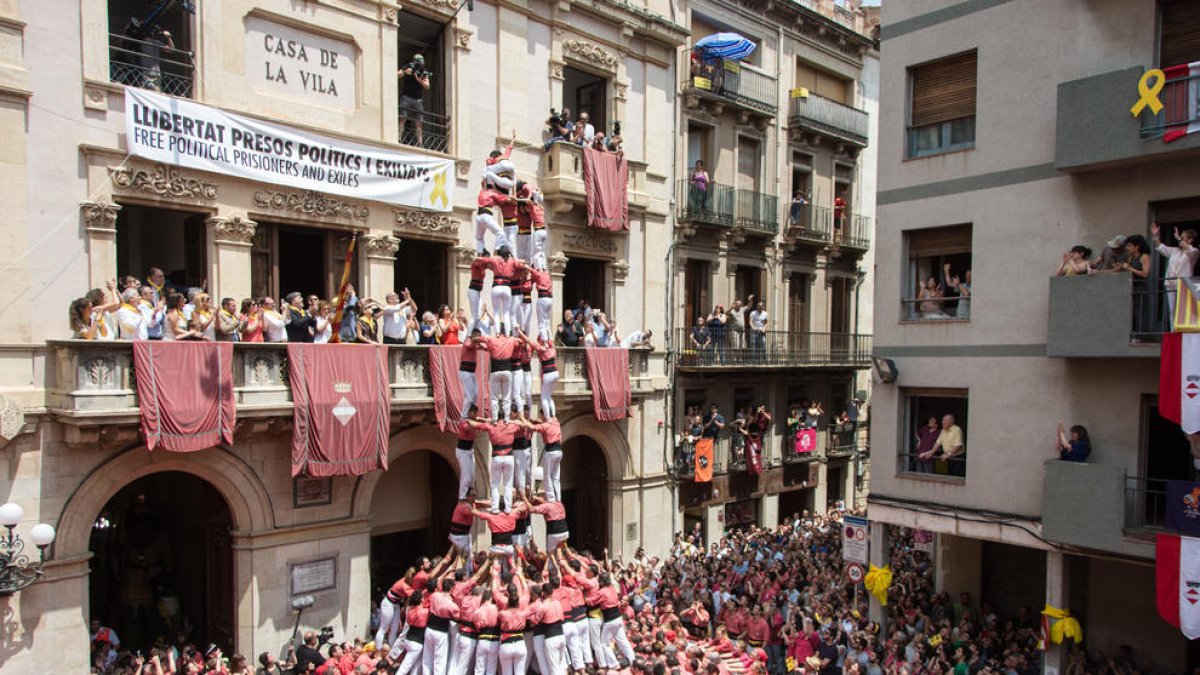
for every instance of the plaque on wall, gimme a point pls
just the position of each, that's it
(301, 64)
(313, 576)
(310, 491)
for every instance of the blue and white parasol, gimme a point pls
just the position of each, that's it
(730, 46)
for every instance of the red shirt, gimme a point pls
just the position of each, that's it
(486, 616)
(522, 353)
(737, 622)
(513, 620)
(501, 347)
(491, 197)
(418, 617)
(419, 579)
(606, 597)
(501, 522)
(400, 590)
(552, 611)
(501, 434)
(757, 629)
(442, 605)
(462, 591)
(543, 281)
(469, 352)
(550, 430)
(551, 510)
(567, 597)
(524, 284)
(504, 272)
(462, 516)
(479, 268)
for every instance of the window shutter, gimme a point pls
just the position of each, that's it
(1177, 211)
(943, 90)
(939, 241)
(1179, 40)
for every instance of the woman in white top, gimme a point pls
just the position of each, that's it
(324, 329)
(589, 334)
(176, 324)
(204, 319)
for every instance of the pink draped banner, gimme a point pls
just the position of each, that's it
(185, 392)
(608, 373)
(606, 181)
(342, 408)
(447, 389)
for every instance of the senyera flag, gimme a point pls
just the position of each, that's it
(1180, 98)
(340, 301)
(1177, 582)
(1179, 364)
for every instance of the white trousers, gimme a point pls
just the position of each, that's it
(572, 632)
(539, 248)
(412, 658)
(486, 222)
(545, 309)
(473, 303)
(513, 658)
(389, 622)
(462, 542)
(539, 651)
(549, 382)
(502, 306)
(502, 481)
(510, 237)
(500, 384)
(556, 653)
(436, 656)
(466, 469)
(553, 540)
(523, 312)
(594, 627)
(487, 657)
(462, 655)
(524, 246)
(470, 389)
(522, 460)
(552, 475)
(615, 631)
(518, 389)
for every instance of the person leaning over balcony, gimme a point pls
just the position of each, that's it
(796, 210)
(367, 327)
(250, 323)
(1074, 262)
(1111, 257)
(204, 319)
(963, 287)
(131, 323)
(948, 446)
(176, 324)
(1076, 447)
(1181, 261)
(930, 300)
(717, 323)
(323, 331)
(758, 328)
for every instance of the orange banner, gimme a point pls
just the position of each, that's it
(704, 460)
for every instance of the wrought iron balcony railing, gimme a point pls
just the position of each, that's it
(147, 64)
(772, 349)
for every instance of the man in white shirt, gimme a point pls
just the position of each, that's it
(130, 321)
(588, 132)
(273, 322)
(1181, 260)
(152, 311)
(637, 339)
(758, 328)
(396, 314)
(191, 303)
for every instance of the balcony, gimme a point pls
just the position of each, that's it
(750, 91)
(713, 207)
(1096, 506)
(774, 349)
(757, 212)
(562, 179)
(1096, 131)
(150, 65)
(856, 233)
(819, 115)
(1103, 315)
(434, 131)
(92, 382)
(810, 223)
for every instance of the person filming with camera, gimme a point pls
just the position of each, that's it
(414, 82)
(560, 127)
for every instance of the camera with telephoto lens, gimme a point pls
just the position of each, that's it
(555, 118)
(417, 68)
(616, 127)
(325, 636)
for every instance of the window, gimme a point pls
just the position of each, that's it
(932, 292)
(821, 83)
(933, 415)
(746, 282)
(798, 284)
(1164, 455)
(697, 277)
(173, 241)
(942, 117)
(584, 280)
(308, 260)
(152, 54)
(1179, 32)
(426, 125)
(584, 92)
(421, 267)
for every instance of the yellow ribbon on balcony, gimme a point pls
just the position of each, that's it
(877, 581)
(439, 190)
(1065, 625)
(1148, 93)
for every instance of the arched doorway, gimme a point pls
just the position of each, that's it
(585, 493)
(163, 562)
(410, 515)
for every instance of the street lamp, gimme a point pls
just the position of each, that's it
(16, 572)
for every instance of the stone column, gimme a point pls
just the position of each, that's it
(100, 223)
(377, 265)
(558, 270)
(463, 257)
(714, 524)
(768, 511)
(229, 241)
(878, 554)
(619, 272)
(1057, 595)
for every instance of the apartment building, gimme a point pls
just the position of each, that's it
(228, 530)
(1006, 138)
(774, 201)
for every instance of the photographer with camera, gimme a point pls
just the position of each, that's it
(560, 127)
(414, 82)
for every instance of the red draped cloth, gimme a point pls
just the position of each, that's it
(185, 392)
(342, 408)
(606, 181)
(608, 373)
(754, 454)
(447, 389)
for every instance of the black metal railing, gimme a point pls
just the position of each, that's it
(843, 439)
(757, 211)
(810, 222)
(427, 130)
(771, 349)
(953, 467)
(937, 309)
(148, 64)
(736, 82)
(1145, 503)
(1151, 310)
(711, 206)
(1180, 98)
(856, 232)
(830, 118)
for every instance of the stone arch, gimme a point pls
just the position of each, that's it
(608, 435)
(221, 467)
(423, 437)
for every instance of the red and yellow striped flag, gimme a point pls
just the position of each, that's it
(340, 300)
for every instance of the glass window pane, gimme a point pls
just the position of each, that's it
(962, 131)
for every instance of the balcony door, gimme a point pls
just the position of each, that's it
(308, 260)
(749, 164)
(840, 308)
(697, 282)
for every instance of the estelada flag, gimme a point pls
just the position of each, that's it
(1186, 318)
(1177, 582)
(1179, 380)
(704, 460)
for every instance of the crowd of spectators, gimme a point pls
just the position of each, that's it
(587, 326)
(948, 299)
(722, 332)
(562, 129)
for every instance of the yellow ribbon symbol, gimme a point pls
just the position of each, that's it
(877, 581)
(1065, 625)
(1149, 94)
(439, 190)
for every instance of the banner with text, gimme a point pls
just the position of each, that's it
(183, 133)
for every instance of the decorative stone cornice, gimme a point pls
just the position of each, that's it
(412, 220)
(381, 245)
(592, 53)
(558, 263)
(590, 242)
(620, 270)
(464, 255)
(310, 203)
(232, 230)
(444, 6)
(162, 181)
(100, 216)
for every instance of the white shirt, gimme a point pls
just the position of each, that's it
(395, 321)
(106, 326)
(589, 132)
(634, 337)
(758, 319)
(187, 311)
(153, 319)
(324, 331)
(1179, 261)
(273, 326)
(132, 323)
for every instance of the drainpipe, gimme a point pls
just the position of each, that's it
(669, 304)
